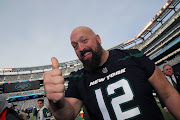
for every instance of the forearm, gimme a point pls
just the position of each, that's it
(62, 110)
(166, 92)
(170, 98)
(172, 101)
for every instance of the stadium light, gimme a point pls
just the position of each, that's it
(5, 69)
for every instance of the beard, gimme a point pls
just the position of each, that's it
(94, 62)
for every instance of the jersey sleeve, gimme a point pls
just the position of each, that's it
(143, 61)
(46, 113)
(72, 90)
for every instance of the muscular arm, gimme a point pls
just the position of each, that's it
(62, 108)
(66, 108)
(166, 92)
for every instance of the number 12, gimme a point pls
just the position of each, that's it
(116, 102)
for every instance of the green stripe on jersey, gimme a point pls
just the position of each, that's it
(132, 55)
(74, 76)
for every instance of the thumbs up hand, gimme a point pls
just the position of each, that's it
(54, 82)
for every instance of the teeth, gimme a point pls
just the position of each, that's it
(86, 54)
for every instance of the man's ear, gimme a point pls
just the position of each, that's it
(98, 39)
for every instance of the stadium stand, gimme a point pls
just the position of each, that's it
(159, 40)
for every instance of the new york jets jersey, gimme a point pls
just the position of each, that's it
(44, 113)
(117, 90)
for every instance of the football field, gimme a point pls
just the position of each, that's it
(166, 116)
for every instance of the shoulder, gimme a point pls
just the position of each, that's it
(12, 115)
(177, 76)
(45, 111)
(127, 52)
(77, 74)
(44, 107)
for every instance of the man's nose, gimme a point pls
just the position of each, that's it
(81, 47)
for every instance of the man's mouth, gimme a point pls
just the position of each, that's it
(86, 54)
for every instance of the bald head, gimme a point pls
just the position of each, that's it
(87, 46)
(168, 70)
(82, 30)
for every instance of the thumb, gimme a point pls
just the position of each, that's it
(55, 63)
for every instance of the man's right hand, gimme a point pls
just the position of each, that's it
(54, 82)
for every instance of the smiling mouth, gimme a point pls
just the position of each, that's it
(86, 54)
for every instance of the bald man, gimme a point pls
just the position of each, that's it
(114, 84)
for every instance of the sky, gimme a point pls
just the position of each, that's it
(33, 31)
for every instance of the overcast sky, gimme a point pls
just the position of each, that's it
(33, 31)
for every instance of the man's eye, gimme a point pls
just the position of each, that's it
(75, 46)
(85, 40)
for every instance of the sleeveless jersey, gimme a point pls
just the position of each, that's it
(117, 90)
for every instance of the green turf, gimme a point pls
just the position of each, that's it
(166, 116)
(32, 118)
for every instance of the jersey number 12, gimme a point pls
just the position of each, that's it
(117, 101)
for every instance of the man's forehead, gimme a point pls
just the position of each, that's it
(78, 37)
(81, 31)
(75, 35)
(167, 66)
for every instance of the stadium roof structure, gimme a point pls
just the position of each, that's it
(158, 18)
(42, 68)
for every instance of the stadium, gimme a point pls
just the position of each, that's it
(159, 40)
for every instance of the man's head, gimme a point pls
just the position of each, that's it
(87, 46)
(168, 70)
(40, 103)
(3, 103)
(11, 106)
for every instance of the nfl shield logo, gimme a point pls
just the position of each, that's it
(104, 70)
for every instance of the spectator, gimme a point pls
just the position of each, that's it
(86, 116)
(114, 84)
(174, 80)
(3, 107)
(23, 115)
(12, 112)
(35, 112)
(5, 112)
(12, 106)
(44, 113)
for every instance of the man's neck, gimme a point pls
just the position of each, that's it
(169, 75)
(104, 57)
(41, 107)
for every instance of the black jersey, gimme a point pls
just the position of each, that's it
(119, 89)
